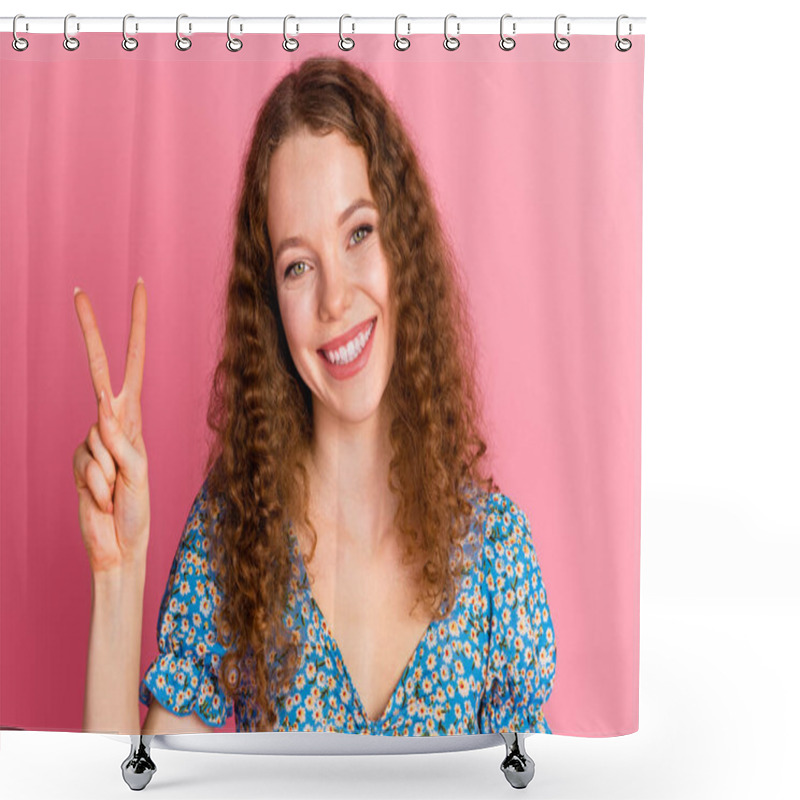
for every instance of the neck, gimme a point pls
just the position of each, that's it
(348, 466)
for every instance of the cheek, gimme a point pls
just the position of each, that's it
(379, 285)
(297, 320)
(289, 321)
(388, 300)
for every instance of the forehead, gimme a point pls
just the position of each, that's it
(312, 179)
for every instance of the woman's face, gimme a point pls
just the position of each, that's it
(331, 273)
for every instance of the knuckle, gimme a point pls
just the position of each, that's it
(100, 487)
(80, 456)
(78, 466)
(91, 477)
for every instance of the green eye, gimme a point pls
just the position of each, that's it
(292, 266)
(367, 228)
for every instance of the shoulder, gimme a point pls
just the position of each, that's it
(506, 519)
(499, 517)
(194, 548)
(505, 529)
(197, 523)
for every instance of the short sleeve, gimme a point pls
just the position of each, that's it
(184, 676)
(522, 648)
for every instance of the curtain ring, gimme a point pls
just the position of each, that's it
(17, 42)
(70, 42)
(561, 43)
(289, 42)
(345, 42)
(233, 44)
(400, 42)
(128, 42)
(182, 42)
(451, 42)
(506, 42)
(623, 45)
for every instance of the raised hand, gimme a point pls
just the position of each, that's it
(110, 465)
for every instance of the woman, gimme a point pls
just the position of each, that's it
(346, 564)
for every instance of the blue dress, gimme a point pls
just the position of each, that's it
(487, 667)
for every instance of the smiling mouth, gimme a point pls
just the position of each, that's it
(352, 350)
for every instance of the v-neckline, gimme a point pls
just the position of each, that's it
(328, 631)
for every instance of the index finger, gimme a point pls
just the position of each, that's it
(134, 364)
(98, 364)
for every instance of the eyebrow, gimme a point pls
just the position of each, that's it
(296, 241)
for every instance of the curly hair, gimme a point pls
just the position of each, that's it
(260, 408)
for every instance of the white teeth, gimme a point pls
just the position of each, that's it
(350, 351)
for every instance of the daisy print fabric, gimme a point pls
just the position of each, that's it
(487, 667)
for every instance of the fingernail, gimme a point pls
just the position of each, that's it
(141, 280)
(77, 289)
(105, 404)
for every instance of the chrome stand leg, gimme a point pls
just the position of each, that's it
(518, 766)
(138, 767)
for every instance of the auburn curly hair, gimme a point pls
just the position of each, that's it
(260, 408)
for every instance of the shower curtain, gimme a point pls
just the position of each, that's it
(121, 164)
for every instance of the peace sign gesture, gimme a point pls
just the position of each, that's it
(110, 465)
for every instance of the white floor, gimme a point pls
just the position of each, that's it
(719, 709)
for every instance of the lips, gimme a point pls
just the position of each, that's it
(335, 344)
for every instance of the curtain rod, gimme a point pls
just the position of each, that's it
(407, 25)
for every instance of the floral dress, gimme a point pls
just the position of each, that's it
(486, 667)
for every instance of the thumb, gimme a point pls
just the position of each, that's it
(114, 437)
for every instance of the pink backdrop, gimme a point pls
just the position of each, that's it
(117, 164)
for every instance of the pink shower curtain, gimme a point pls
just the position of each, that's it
(118, 164)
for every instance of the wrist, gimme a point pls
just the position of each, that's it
(130, 569)
(136, 557)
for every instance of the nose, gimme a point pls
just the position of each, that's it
(335, 290)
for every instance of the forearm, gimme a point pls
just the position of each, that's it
(111, 704)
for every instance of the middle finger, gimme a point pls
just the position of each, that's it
(134, 364)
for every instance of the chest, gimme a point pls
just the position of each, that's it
(367, 605)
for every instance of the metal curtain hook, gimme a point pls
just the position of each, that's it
(182, 42)
(289, 42)
(623, 45)
(560, 42)
(451, 42)
(345, 43)
(233, 44)
(17, 42)
(128, 42)
(400, 42)
(506, 42)
(70, 42)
